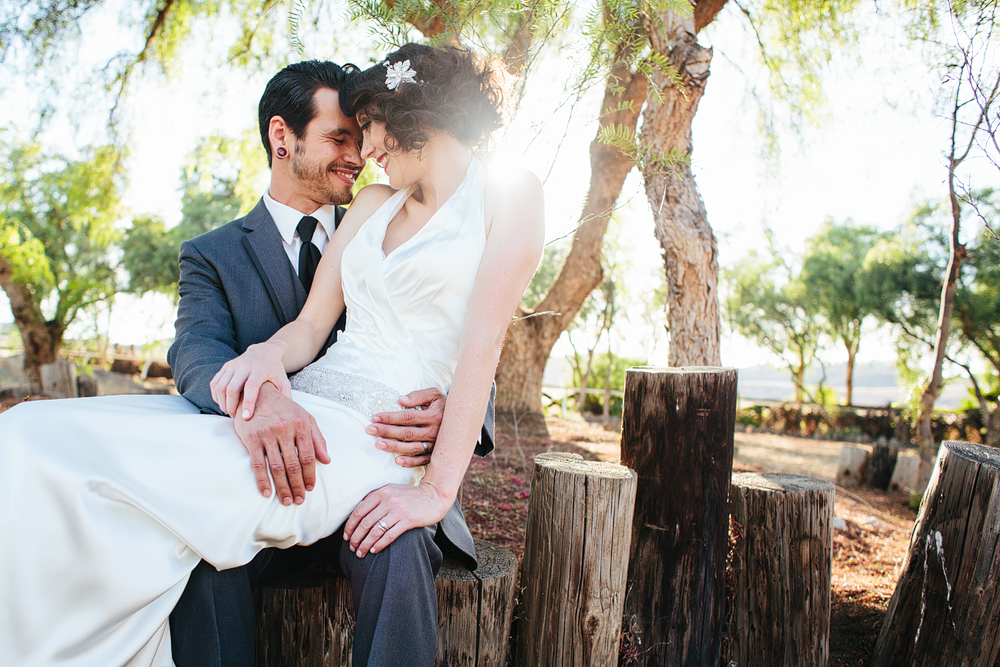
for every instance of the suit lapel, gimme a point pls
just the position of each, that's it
(265, 247)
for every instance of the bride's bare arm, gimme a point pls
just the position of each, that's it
(513, 250)
(297, 343)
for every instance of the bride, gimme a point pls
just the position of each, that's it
(103, 516)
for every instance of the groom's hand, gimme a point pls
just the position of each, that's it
(410, 434)
(284, 439)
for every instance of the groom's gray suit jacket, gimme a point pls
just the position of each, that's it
(238, 288)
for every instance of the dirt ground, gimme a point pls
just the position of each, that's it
(867, 554)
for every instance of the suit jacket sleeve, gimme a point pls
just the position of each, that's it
(205, 333)
(485, 445)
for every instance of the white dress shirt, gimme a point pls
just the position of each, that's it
(287, 219)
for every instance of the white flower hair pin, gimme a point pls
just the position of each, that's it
(399, 73)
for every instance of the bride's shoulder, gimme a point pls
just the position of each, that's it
(368, 200)
(373, 195)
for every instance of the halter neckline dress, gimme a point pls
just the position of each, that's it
(107, 504)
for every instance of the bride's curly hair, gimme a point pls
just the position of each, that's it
(452, 91)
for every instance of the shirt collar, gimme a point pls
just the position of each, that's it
(286, 218)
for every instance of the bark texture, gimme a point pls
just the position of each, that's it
(41, 338)
(677, 434)
(533, 333)
(946, 607)
(782, 570)
(690, 251)
(575, 561)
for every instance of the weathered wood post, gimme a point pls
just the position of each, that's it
(946, 607)
(59, 379)
(852, 466)
(782, 566)
(904, 474)
(677, 434)
(475, 609)
(305, 620)
(575, 561)
(881, 463)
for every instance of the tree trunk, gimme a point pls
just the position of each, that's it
(607, 383)
(798, 377)
(532, 334)
(581, 397)
(852, 352)
(41, 339)
(690, 252)
(928, 448)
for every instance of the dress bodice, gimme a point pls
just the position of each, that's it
(406, 311)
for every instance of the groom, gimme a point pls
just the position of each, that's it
(238, 285)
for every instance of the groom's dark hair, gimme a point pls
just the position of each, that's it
(289, 94)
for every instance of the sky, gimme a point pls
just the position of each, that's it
(875, 153)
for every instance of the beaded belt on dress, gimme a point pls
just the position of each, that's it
(359, 393)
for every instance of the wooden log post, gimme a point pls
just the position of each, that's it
(306, 620)
(677, 434)
(475, 609)
(782, 568)
(575, 561)
(59, 379)
(946, 607)
(852, 466)
(881, 463)
(905, 474)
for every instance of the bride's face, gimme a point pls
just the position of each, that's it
(396, 164)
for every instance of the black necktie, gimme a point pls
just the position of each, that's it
(309, 254)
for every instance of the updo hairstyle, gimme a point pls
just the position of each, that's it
(452, 91)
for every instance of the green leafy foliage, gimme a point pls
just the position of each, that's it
(770, 305)
(548, 269)
(626, 141)
(216, 189)
(833, 275)
(58, 226)
(904, 284)
(594, 403)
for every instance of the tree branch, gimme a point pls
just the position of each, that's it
(705, 12)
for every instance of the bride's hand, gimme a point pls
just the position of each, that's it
(390, 511)
(244, 376)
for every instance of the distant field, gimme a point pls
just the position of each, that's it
(778, 390)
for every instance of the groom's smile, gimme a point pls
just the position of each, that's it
(326, 159)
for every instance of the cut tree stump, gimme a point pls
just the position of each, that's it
(904, 475)
(677, 434)
(59, 379)
(475, 609)
(305, 620)
(852, 466)
(782, 569)
(575, 562)
(946, 607)
(881, 463)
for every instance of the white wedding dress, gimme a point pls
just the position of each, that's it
(107, 504)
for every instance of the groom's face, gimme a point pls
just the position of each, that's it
(326, 159)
